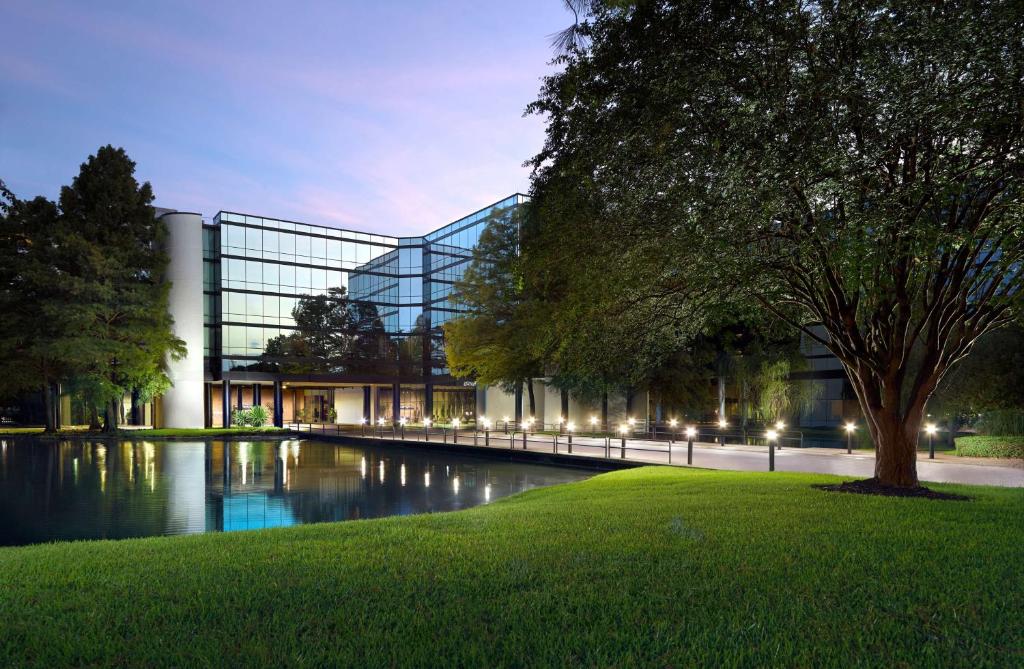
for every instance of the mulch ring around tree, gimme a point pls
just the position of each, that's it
(873, 487)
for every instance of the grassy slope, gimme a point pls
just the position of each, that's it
(650, 566)
(990, 447)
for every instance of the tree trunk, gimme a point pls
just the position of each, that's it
(94, 418)
(896, 450)
(111, 415)
(49, 410)
(533, 400)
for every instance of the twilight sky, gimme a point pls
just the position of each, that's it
(385, 116)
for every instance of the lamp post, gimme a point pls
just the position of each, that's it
(426, 429)
(849, 427)
(362, 427)
(772, 436)
(722, 424)
(931, 429)
(506, 424)
(570, 428)
(672, 429)
(623, 430)
(593, 426)
(780, 426)
(455, 426)
(487, 431)
(401, 421)
(691, 432)
(380, 422)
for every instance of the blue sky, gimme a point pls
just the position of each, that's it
(395, 117)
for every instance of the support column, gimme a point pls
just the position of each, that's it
(225, 403)
(239, 393)
(565, 405)
(367, 404)
(428, 400)
(257, 394)
(278, 405)
(396, 401)
(519, 404)
(207, 405)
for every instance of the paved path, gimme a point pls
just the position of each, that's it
(713, 456)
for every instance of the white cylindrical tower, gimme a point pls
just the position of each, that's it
(183, 403)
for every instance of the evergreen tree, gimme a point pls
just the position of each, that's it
(116, 256)
(36, 300)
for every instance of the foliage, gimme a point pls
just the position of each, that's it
(607, 572)
(850, 166)
(493, 342)
(36, 351)
(1001, 422)
(254, 416)
(990, 378)
(991, 447)
(333, 334)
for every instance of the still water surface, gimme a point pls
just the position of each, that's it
(105, 490)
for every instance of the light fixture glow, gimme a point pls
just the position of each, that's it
(674, 422)
(570, 426)
(426, 422)
(723, 423)
(780, 425)
(624, 429)
(593, 420)
(772, 435)
(930, 428)
(456, 422)
(691, 432)
(850, 427)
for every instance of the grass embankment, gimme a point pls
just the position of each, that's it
(145, 433)
(990, 447)
(651, 566)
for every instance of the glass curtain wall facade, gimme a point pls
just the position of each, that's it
(287, 301)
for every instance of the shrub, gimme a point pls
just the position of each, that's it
(257, 416)
(991, 447)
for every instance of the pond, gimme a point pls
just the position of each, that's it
(78, 489)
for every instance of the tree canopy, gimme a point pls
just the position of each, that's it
(84, 285)
(852, 169)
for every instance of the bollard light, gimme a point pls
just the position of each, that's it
(780, 426)
(723, 423)
(486, 423)
(691, 432)
(673, 422)
(362, 426)
(772, 436)
(402, 421)
(849, 427)
(931, 429)
(623, 430)
(570, 426)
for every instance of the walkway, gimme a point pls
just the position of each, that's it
(944, 469)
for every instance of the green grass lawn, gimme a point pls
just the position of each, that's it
(990, 447)
(653, 566)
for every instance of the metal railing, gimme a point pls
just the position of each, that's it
(609, 445)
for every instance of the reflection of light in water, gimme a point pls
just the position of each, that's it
(131, 463)
(447, 472)
(382, 471)
(101, 462)
(74, 468)
(362, 467)
(243, 458)
(184, 464)
(402, 474)
(455, 484)
(283, 452)
(295, 451)
(426, 479)
(487, 492)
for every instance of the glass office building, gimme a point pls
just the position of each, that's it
(329, 325)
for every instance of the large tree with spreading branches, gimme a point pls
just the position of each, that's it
(853, 169)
